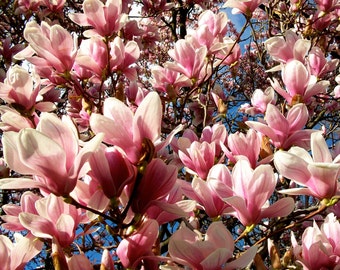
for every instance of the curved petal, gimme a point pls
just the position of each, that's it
(39, 226)
(297, 117)
(10, 148)
(216, 259)
(320, 149)
(243, 260)
(281, 208)
(148, 118)
(292, 167)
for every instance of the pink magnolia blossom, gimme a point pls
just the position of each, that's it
(51, 153)
(244, 145)
(16, 255)
(171, 207)
(198, 157)
(320, 247)
(27, 5)
(212, 252)
(189, 60)
(137, 248)
(252, 189)
(291, 46)
(319, 64)
(106, 19)
(259, 101)
(129, 131)
(168, 81)
(112, 170)
(318, 175)
(18, 89)
(123, 56)
(156, 183)
(229, 53)
(53, 46)
(27, 205)
(217, 23)
(211, 31)
(209, 193)
(12, 120)
(247, 7)
(54, 5)
(216, 133)
(285, 131)
(54, 219)
(93, 56)
(298, 83)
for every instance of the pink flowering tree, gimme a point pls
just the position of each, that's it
(182, 134)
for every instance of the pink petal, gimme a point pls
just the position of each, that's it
(132, 248)
(296, 77)
(319, 148)
(39, 226)
(148, 118)
(264, 129)
(10, 148)
(24, 250)
(243, 260)
(292, 167)
(35, 147)
(94, 10)
(261, 186)
(63, 133)
(280, 208)
(297, 117)
(242, 174)
(20, 183)
(216, 259)
(220, 236)
(299, 138)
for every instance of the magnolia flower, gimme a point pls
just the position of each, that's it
(53, 46)
(112, 170)
(285, 131)
(156, 183)
(131, 131)
(106, 19)
(319, 64)
(291, 46)
(50, 153)
(16, 255)
(318, 175)
(93, 56)
(209, 193)
(18, 89)
(252, 189)
(189, 60)
(138, 247)
(61, 223)
(198, 158)
(246, 7)
(320, 248)
(244, 145)
(298, 82)
(27, 205)
(212, 252)
(259, 101)
(123, 56)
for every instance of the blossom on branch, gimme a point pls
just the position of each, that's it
(318, 176)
